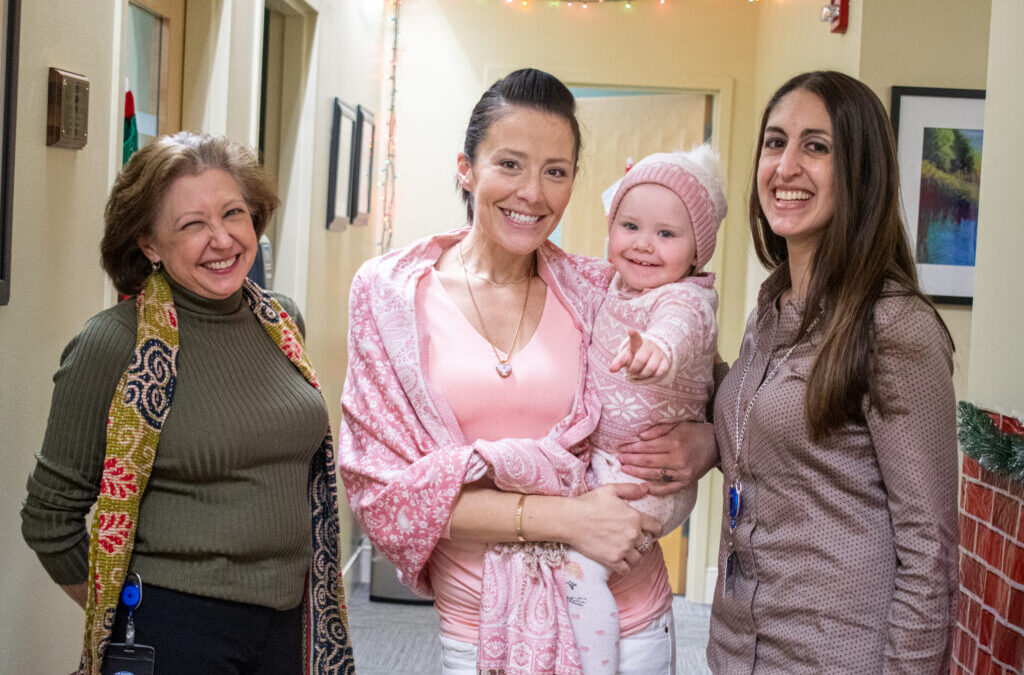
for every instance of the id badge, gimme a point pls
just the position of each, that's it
(129, 658)
(120, 659)
(733, 567)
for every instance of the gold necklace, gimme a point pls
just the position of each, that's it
(503, 366)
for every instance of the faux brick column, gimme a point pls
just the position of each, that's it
(990, 616)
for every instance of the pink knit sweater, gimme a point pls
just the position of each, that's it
(680, 319)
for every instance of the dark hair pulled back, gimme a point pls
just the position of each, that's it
(530, 88)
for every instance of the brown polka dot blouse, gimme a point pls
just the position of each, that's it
(846, 558)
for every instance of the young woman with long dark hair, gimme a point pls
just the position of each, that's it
(836, 426)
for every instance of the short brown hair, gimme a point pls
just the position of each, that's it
(139, 191)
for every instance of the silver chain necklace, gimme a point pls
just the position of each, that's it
(732, 561)
(736, 488)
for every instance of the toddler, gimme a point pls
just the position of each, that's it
(652, 351)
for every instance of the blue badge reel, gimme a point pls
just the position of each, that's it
(128, 657)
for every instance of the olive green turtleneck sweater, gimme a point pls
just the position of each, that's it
(226, 513)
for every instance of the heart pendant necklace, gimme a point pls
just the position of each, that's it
(503, 366)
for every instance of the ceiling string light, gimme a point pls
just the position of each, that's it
(388, 173)
(584, 4)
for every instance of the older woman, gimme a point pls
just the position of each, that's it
(465, 410)
(836, 426)
(192, 418)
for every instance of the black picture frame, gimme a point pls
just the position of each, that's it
(9, 33)
(362, 186)
(914, 111)
(342, 167)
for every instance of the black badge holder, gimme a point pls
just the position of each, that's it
(128, 658)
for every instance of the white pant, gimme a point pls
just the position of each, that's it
(652, 651)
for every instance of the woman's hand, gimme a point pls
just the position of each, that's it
(606, 529)
(77, 592)
(671, 456)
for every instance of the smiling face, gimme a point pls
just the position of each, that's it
(521, 178)
(795, 169)
(651, 240)
(203, 234)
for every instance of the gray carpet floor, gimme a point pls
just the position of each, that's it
(399, 639)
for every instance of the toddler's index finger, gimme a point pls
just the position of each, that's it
(636, 341)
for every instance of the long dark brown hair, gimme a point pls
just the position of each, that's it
(863, 246)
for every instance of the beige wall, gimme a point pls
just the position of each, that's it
(905, 43)
(791, 40)
(913, 43)
(58, 207)
(997, 347)
(350, 33)
(56, 285)
(910, 43)
(616, 128)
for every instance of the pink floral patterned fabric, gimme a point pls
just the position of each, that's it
(403, 458)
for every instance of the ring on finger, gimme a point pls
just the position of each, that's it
(666, 477)
(645, 543)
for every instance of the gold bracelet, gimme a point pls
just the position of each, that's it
(519, 518)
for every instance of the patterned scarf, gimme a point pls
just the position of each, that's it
(137, 414)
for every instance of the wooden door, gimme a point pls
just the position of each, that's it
(154, 59)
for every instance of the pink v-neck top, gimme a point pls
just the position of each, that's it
(460, 364)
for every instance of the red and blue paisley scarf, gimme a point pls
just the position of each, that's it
(137, 413)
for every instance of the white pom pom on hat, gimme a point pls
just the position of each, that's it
(694, 176)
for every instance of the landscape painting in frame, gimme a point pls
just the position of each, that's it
(947, 215)
(939, 134)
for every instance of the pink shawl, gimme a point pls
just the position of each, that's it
(404, 460)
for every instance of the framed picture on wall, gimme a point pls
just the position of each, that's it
(362, 198)
(939, 134)
(342, 168)
(10, 19)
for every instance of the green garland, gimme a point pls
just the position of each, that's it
(995, 450)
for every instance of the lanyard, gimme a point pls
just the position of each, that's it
(736, 487)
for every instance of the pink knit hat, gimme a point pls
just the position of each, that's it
(695, 178)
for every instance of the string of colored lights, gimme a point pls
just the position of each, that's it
(586, 4)
(389, 175)
(583, 4)
(388, 170)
